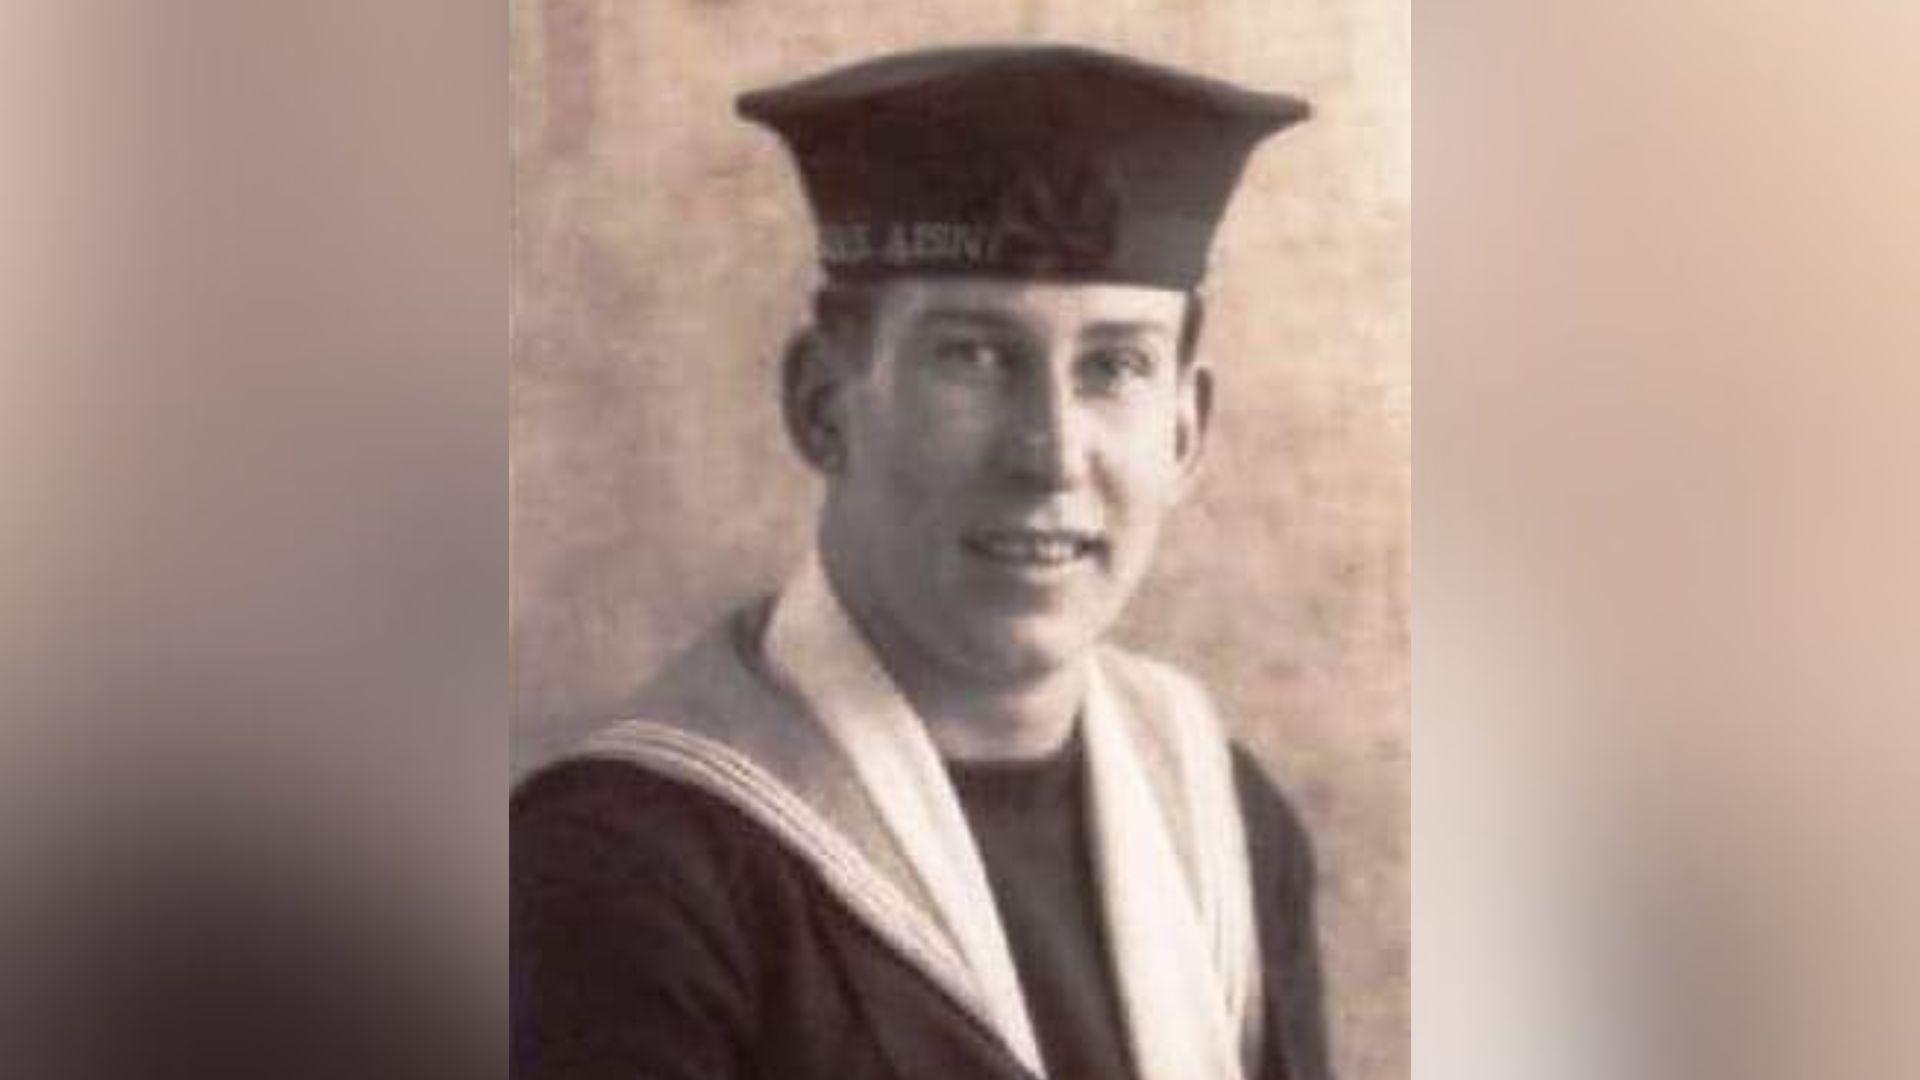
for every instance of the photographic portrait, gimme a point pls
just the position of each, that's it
(900, 398)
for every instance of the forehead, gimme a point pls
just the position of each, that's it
(1057, 306)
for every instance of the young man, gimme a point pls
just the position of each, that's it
(912, 817)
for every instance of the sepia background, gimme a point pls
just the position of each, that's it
(662, 254)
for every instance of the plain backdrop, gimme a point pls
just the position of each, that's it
(662, 255)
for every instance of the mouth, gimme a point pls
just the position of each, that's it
(1034, 548)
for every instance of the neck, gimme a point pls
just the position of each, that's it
(1029, 719)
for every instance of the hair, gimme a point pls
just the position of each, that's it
(844, 312)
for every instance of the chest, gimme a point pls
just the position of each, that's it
(834, 1003)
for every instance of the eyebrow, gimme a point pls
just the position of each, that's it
(1000, 320)
(1126, 328)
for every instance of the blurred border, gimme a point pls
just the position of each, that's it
(1665, 587)
(253, 593)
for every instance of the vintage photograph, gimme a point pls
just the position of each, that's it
(960, 540)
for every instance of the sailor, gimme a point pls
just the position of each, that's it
(913, 815)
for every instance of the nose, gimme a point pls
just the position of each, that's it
(1047, 446)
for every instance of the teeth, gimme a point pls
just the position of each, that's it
(1047, 549)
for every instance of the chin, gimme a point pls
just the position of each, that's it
(1023, 649)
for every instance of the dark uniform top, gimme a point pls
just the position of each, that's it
(659, 933)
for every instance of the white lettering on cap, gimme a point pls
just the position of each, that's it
(908, 243)
(847, 242)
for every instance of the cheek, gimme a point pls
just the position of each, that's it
(934, 443)
(909, 471)
(1145, 458)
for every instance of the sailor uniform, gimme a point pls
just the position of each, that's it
(714, 889)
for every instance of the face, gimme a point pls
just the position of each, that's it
(1010, 452)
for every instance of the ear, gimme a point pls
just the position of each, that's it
(811, 381)
(1195, 414)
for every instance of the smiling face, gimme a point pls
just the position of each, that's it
(1008, 453)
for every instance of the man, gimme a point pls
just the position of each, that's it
(912, 817)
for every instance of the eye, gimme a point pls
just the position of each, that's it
(971, 358)
(1111, 367)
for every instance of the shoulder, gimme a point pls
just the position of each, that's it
(635, 924)
(598, 795)
(1276, 834)
(587, 800)
(584, 827)
(1283, 873)
(636, 887)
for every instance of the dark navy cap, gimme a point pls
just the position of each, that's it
(1054, 162)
